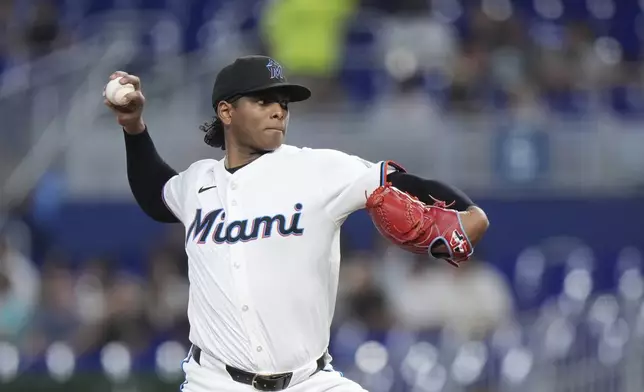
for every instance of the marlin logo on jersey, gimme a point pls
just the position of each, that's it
(241, 230)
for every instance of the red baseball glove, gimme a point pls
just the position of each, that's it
(417, 227)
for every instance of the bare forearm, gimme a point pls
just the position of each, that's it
(475, 223)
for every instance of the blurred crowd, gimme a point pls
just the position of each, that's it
(89, 303)
(474, 56)
(402, 321)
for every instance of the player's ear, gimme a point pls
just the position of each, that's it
(224, 110)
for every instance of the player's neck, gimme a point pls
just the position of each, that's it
(236, 156)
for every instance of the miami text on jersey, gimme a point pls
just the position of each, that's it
(241, 230)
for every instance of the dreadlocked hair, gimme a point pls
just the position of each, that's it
(214, 130)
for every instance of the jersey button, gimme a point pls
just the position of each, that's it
(237, 265)
(233, 203)
(244, 308)
(259, 349)
(233, 186)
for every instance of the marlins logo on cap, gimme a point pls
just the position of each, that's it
(247, 75)
(275, 69)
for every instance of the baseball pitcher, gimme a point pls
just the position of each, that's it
(262, 230)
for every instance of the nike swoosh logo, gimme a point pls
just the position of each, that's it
(205, 188)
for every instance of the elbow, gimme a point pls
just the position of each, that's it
(161, 215)
(483, 221)
(164, 218)
(479, 223)
(155, 208)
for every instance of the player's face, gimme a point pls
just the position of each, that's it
(260, 120)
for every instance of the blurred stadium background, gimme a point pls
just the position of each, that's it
(534, 107)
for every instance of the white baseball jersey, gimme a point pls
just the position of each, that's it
(263, 246)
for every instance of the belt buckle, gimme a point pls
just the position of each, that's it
(254, 382)
(273, 379)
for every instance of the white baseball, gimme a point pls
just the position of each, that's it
(115, 92)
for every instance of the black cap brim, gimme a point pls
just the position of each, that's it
(294, 92)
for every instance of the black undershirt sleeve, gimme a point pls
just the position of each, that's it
(147, 174)
(422, 189)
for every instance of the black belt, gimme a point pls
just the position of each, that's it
(271, 382)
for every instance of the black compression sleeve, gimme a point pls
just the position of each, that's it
(422, 189)
(147, 173)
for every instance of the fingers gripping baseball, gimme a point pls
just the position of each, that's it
(124, 97)
(127, 78)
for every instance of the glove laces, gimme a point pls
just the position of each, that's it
(441, 203)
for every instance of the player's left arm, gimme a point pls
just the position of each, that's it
(351, 180)
(474, 219)
(386, 190)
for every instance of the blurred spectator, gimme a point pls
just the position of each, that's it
(43, 33)
(38, 240)
(56, 318)
(173, 244)
(472, 300)
(125, 319)
(167, 291)
(562, 93)
(12, 310)
(466, 93)
(578, 49)
(370, 308)
(19, 289)
(306, 36)
(428, 43)
(308, 39)
(359, 296)
(90, 288)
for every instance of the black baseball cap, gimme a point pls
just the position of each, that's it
(251, 74)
